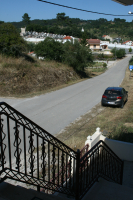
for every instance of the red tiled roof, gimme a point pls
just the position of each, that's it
(93, 41)
(126, 41)
(67, 38)
(30, 52)
(103, 35)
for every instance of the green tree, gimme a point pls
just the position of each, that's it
(84, 38)
(130, 50)
(1, 22)
(62, 19)
(30, 46)
(61, 16)
(131, 61)
(77, 56)
(119, 53)
(26, 19)
(49, 49)
(11, 43)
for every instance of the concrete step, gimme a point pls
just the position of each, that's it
(105, 190)
(128, 174)
(102, 190)
(11, 192)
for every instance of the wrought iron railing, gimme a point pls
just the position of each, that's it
(99, 161)
(31, 155)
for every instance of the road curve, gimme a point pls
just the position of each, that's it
(55, 110)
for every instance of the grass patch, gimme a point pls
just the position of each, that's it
(122, 133)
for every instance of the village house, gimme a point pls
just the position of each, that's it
(105, 37)
(67, 38)
(129, 43)
(94, 44)
(104, 44)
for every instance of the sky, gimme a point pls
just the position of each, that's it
(13, 10)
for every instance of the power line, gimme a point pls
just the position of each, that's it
(82, 9)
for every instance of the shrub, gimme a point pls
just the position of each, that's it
(122, 133)
(77, 56)
(104, 65)
(119, 53)
(130, 50)
(131, 61)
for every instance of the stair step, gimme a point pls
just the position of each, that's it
(11, 192)
(128, 174)
(105, 190)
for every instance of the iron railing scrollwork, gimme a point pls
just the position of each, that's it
(2, 145)
(16, 144)
(31, 155)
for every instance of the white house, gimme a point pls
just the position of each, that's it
(129, 42)
(67, 38)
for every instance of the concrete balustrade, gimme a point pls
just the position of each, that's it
(122, 149)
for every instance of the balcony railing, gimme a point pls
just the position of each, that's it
(31, 155)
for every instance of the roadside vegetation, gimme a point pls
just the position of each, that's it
(119, 53)
(115, 123)
(22, 75)
(75, 55)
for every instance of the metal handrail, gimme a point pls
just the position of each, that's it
(31, 155)
(28, 149)
(99, 161)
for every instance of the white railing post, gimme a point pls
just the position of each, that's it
(92, 140)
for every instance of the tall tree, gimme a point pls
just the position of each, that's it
(26, 19)
(61, 16)
(62, 19)
(10, 41)
(84, 38)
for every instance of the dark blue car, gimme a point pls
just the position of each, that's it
(114, 96)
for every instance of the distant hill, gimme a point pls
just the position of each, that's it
(73, 26)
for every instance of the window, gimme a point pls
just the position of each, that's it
(112, 92)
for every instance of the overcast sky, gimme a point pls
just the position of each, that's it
(13, 10)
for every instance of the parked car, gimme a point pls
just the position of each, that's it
(114, 96)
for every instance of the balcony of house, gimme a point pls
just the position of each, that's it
(35, 158)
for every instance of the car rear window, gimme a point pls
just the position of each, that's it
(112, 92)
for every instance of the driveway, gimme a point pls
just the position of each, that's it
(55, 110)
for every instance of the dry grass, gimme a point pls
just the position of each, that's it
(115, 122)
(21, 78)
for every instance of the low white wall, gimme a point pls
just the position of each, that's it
(123, 150)
(92, 140)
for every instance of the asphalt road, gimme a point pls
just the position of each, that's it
(55, 110)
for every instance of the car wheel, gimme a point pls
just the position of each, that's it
(122, 104)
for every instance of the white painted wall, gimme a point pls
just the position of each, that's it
(123, 150)
(92, 140)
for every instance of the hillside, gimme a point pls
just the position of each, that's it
(72, 26)
(19, 78)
